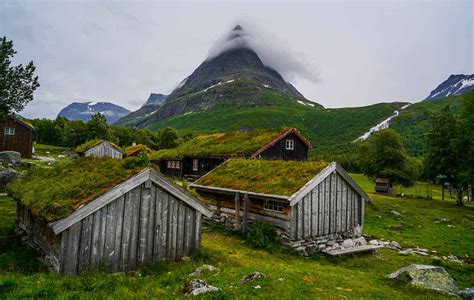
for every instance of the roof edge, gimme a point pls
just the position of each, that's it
(233, 191)
(280, 137)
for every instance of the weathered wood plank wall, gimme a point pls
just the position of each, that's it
(104, 149)
(331, 207)
(145, 225)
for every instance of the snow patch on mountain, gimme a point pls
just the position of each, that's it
(453, 86)
(83, 111)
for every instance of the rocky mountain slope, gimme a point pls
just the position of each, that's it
(84, 110)
(153, 102)
(235, 75)
(453, 86)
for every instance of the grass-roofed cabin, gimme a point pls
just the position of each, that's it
(17, 135)
(135, 150)
(95, 213)
(203, 153)
(100, 148)
(304, 200)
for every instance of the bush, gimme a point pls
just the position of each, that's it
(141, 160)
(262, 235)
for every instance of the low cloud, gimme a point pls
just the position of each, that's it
(273, 52)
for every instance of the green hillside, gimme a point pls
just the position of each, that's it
(329, 130)
(413, 123)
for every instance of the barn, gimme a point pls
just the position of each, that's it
(101, 215)
(18, 136)
(304, 200)
(203, 153)
(100, 148)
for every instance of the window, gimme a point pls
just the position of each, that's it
(290, 145)
(195, 164)
(273, 205)
(9, 131)
(173, 164)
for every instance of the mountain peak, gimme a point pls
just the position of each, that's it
(237, 28)
(456, 84)
(85, 110)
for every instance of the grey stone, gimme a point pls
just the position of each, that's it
(360, 241)
(467, 294)
(405, 252)
(347, 243)
(374, 242)
(395, 214)
(10, 157)
(428, 277)
(394, 245)
(196, 287)
(200, 270)
(6, 177)
(252, 276)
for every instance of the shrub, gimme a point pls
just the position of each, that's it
(262, 235)
(141, 160)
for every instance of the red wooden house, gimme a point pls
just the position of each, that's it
(18, 136)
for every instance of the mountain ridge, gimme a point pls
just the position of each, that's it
(453, 86)
(83, 111)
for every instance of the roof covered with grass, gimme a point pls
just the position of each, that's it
(81, 149)
(130, 150)
(276, 177)
(227, 144)
(55, 192)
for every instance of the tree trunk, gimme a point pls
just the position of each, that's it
(459, 201)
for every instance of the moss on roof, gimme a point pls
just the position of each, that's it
(276, 177)
(228, 144)
(81, 149)
(134, 148)
(55, 192)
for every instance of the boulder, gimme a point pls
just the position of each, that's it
(347, 243)
(428, 277)
(467, 294)
(360, 241)
(196, 287)
(252, 276)
(396, 214)
(200, 270)
(10, 157)
(6, 177)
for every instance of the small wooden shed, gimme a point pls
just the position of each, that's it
(383, 186)
(100, 148)
(304, 200)
(17, 135)
(143, 219)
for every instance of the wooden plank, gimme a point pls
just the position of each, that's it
(71, 259)
(181, 227)
(119, 212)
(151, 224)
(333, 220)
(314, 212)
(109, 251)
(352, 183)
(293, 222)
(307, 215)
(197, 232)
(64, 253)
(157, 244)
(233, 192)
(344, 206)
(245, 218)
(135, 198)
(320, 209)
(237, 211)
(86, 241)
(143, 224)
(338, 204)
(174, 226)
(190, 224)
(165, 228)
(95, 257)
(102, 234)
(126, 231)
(300, 220)
(327, 187)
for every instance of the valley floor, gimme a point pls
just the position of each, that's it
(289, 275)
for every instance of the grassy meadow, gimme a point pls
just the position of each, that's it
(289, 275)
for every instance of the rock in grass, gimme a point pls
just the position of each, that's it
(467, 294)
(10, 157)
(200, 270)
(6, 177)
(252, 276)
(428, 277)
(395, 214)
(196, 287)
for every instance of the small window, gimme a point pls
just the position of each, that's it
(9, 131)
(290, 145)
(273, 205)
(168, 164)
(177, 165)
(195, 164)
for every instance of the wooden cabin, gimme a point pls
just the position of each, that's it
(100, 148)
(383, 186)
(142, 219)
(303, 200)
(202, 154)
(18, 136)
(135, 150)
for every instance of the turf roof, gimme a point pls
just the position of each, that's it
(130, 150)
(276, 177)
(92, 143)
(55, 192)
(228, 144)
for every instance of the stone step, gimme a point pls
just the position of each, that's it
(351, 250)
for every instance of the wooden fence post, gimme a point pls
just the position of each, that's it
(246, 213)
(237, 211)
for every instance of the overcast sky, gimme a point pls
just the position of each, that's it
(361, 52)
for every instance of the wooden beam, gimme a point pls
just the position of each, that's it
(237, 211)
(245, 217)
(227, 191)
